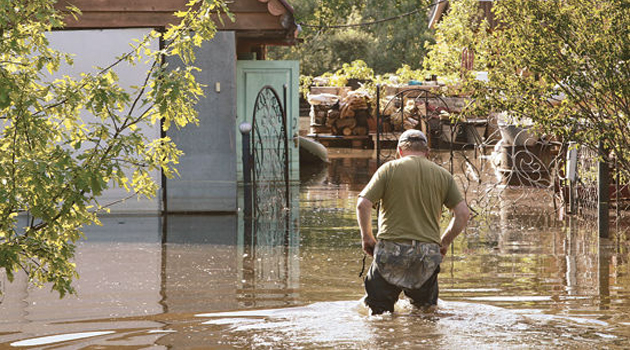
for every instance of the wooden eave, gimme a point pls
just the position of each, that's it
(270, 20)
(442, 7)
(436, 13)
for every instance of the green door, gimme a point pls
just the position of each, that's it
(251, 77)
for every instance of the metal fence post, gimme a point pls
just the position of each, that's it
(245, 128)
(287, 163)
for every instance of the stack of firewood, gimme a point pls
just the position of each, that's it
(350, 116)
(400, 117)
(318, 114)
(320, 105)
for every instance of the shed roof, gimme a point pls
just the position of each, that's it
(267, 21)
(442, 6)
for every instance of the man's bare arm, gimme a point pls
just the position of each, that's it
(456, 226)
(364, 218)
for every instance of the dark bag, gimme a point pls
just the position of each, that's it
(407, 265)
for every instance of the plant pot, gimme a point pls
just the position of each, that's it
(517, 135)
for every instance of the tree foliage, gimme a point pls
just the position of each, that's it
(401, 41)
(564, 64)
(53, 163)
(385, 46)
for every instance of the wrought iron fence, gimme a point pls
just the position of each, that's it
(580, 189)
(501, 166)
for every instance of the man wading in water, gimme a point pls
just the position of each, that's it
(412, 191)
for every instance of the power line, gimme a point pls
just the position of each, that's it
(372, 22)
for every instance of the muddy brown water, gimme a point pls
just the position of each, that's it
(517, 279)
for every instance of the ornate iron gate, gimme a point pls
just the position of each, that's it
(270, 147)
(268, 259)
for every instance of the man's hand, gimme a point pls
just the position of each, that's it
(443, 250)
(364, 218)
(368, 243)
(456, 226)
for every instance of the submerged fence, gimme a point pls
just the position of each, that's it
(587, 191)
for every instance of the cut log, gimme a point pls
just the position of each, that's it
(360, 130)
(347, 131)
(361, 116)
(410, 123)
(346, 112)
(346, 123)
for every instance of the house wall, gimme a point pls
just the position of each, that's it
(207, 180)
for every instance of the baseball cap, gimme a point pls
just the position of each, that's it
(412, 135)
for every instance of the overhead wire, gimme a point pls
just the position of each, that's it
(403, 15)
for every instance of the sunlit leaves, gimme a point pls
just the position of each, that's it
(163, 153)
(166, 85)
(564, 65)
(54, 164)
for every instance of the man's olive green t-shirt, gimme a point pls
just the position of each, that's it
(412, 191)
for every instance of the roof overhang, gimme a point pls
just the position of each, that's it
(266, 20)
(436, 13)
(441, 7)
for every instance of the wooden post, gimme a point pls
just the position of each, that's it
(603, 192)
(603, 275)
(571, 171)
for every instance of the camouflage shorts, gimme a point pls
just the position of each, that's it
(407, 265)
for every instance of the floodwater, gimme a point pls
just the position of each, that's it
(517, 279)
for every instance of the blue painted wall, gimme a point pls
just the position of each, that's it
(207, 181)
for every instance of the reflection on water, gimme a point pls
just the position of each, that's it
(57, 338)
(518, 278)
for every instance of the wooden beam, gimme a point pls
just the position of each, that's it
(125, 5)
(237, 6)
(254, 21)
(115, 19)
(121, 19)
